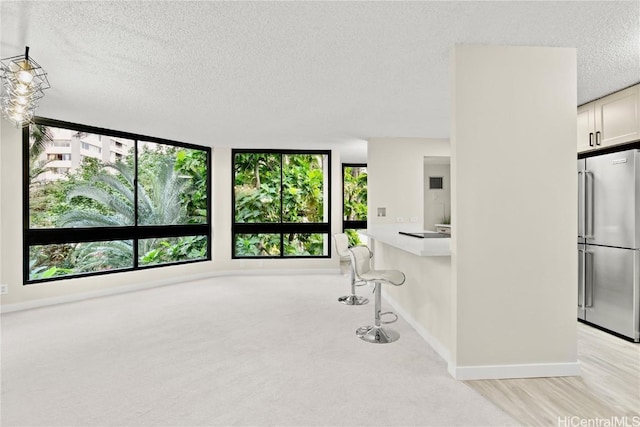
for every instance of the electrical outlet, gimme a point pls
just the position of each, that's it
(4, 289)
(414, 219)
(399, 219)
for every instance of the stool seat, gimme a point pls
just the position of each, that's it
(392, 277)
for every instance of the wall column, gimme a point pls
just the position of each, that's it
(514, 201)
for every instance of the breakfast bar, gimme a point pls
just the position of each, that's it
(424, 301)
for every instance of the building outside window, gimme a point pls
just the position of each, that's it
(149, 208)
(281, 203)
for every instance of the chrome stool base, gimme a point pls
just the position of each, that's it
(353, 300)
(377, 334)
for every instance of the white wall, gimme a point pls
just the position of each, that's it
(395, 169)
(437, 203)
(514, 257)
(21, 296)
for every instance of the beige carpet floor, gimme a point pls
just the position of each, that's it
(275, 350)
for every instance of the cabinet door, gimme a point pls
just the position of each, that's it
(618, 117)
(586, 127)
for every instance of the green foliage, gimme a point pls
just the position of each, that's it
(304, 244)
(302, 181)
(172, 190)
(177, 249)
(274, 188)
(354, 237)
(41, 273)
(40, 138)
(355, 193)
(257, 187)
(257, 244)
(193, 164)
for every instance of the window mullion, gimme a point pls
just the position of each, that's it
(281, 202)
(135, 205)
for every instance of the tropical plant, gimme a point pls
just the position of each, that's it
(277, 188)
(112, 190)
(353, 236)
(40, 138)
(355, 193)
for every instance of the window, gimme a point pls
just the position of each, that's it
(354, 190)
(89, 147)
(150, 208)
(281, 203)
(61, 143)
(435, 183)
(54, 156)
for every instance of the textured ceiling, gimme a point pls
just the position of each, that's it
(294, 74)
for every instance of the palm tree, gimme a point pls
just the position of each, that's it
(41, 137)
(112, 190)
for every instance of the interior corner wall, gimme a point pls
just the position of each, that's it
(395, 168)
(514, 201)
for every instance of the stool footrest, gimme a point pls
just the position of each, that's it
(391, 313)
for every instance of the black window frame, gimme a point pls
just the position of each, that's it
(280, 227)
(135, 232)
(352, 224)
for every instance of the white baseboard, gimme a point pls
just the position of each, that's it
(514, 371)
(485, 372)
(430, 339)
(44, 302)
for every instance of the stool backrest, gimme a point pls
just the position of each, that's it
(360, 259)
(342, 244)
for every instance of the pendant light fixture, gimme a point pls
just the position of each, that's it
(23, 83)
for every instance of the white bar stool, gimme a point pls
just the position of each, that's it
(361, 261)
(342, 248)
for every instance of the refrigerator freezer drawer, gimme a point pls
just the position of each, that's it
(612, 289)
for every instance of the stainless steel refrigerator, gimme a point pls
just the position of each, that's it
(609, 242)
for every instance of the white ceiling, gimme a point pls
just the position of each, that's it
(294, 74)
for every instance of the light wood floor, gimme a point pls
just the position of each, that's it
(609, 386)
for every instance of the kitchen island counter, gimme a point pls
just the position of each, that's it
(424, 300)
(414, 245)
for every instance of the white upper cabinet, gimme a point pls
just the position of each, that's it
(586, 127)
(612, 120)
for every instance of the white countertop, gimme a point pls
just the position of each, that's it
(414, 245)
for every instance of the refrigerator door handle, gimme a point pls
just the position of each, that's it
(588, 280)
(583, 278)
(582, 204)
(588, 205)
